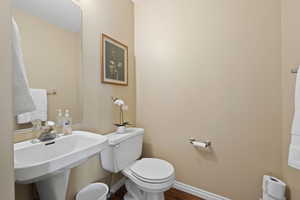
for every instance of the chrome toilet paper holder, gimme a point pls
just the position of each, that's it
(200, 143)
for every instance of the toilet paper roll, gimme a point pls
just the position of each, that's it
(274, 187)
(200, 144)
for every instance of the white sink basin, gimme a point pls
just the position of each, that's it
(35, 162)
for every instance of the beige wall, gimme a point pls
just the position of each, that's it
(115, 18)
(6, 118)
(290, 59)
(52, 56)
(211, 70)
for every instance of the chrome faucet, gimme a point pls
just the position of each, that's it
(47, 132)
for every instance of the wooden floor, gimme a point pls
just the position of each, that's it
(172, 194)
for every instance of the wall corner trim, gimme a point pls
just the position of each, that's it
(179, 186)
(197, 192)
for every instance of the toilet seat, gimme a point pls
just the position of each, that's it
(152, 170)
(158, 176)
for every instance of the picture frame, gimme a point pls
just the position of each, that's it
(114, 61)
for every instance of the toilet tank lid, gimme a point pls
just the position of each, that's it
(117, 138)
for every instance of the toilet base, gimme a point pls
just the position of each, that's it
(155, 196)
(134, 193)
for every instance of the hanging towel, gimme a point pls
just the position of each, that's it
(40, 101)
(23, 101)
(294, 150)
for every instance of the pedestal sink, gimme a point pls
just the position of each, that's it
(48, 164)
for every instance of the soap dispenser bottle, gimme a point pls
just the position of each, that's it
(59, 122)
(67, 124)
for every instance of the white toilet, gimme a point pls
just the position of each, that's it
(148, 178)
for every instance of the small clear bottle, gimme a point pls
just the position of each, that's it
(59, 122)
(67, 124)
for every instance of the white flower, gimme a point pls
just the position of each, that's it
(119, 102)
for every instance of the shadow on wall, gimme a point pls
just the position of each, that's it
(147, 150)
(288, 193)
(25, 192)
(208, 154)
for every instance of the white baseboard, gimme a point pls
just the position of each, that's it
(198, 192)
(179, 186)
(115, 187)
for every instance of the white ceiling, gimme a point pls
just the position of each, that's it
(63, 13)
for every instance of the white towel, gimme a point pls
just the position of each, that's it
(294, 150)
(23, 101)
(40, 100)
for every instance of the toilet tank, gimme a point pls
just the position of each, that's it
(124, 149)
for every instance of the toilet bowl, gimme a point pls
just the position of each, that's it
(147, 178)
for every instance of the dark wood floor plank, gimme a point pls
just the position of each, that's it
(171, 194)
(179, 195)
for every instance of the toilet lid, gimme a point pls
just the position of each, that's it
(152, 169)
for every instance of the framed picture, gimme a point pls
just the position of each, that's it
(114, 61)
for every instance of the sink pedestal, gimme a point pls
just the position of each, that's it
(48, 164)
(54, 187)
